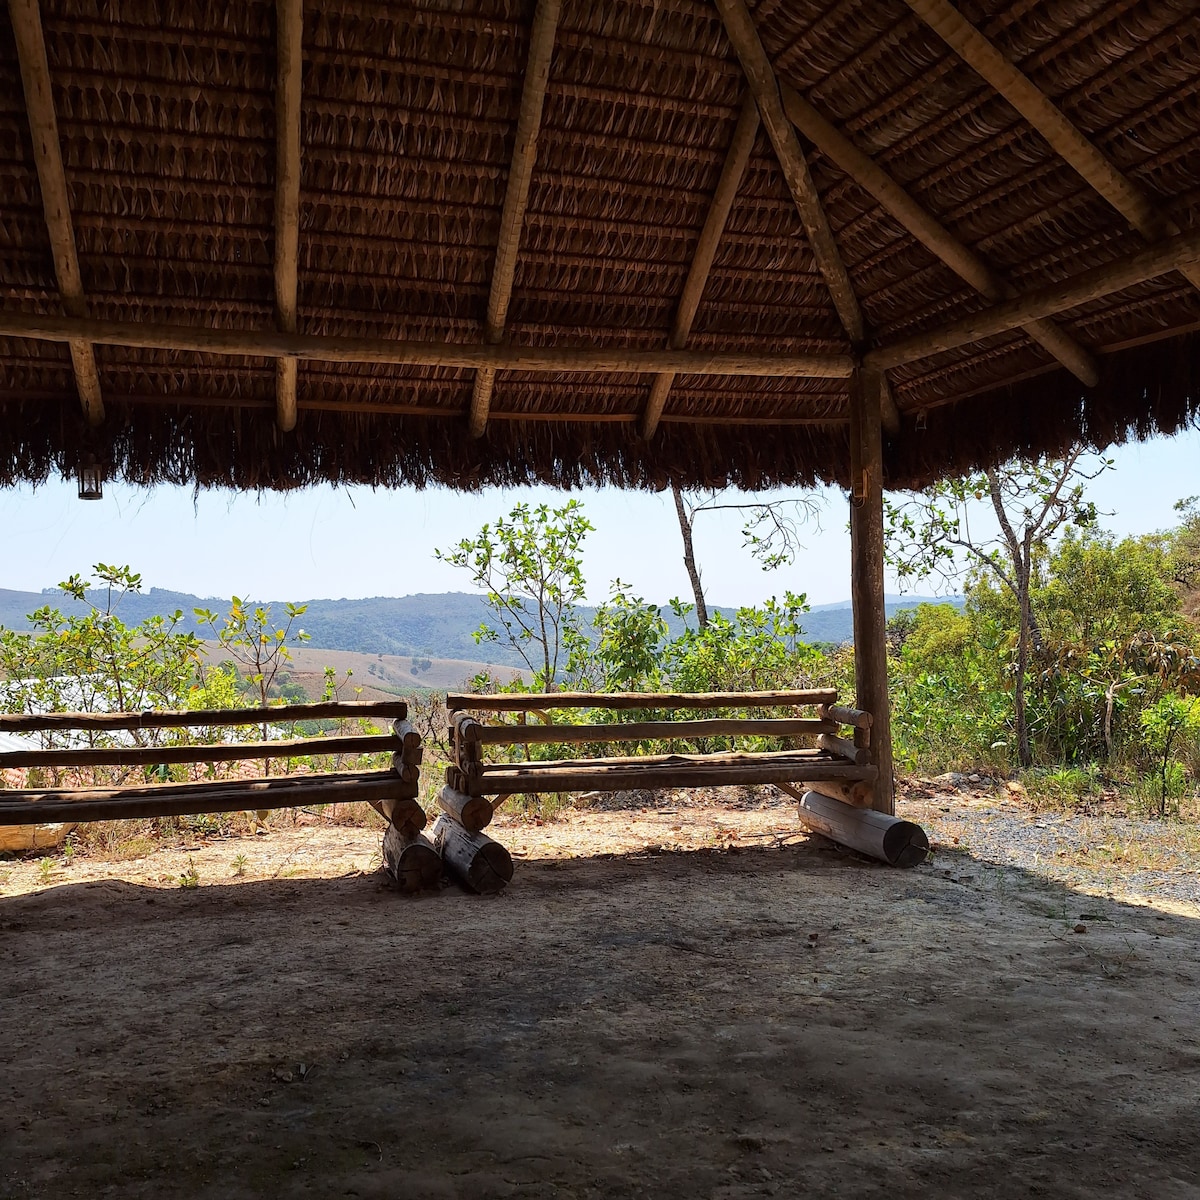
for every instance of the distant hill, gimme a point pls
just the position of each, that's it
(436, 626)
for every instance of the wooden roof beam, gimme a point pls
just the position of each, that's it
(736, 160)
(765, 88)
(289, 18)
(52, 179)
(928, 231)
(1173, 254)
(1064, 138)
(516, 198)
(242, 343)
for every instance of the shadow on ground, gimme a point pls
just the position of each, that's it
(764, 1022)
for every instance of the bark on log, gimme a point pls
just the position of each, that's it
(516, 702)
(150, 756)
(410, 738)
(411, 860)
(22, 807)
(203, 718)
(471, 812)
(406, 814)
(482, 864)
(846, 749)
(889, 839)
(636, 731)
(409, 772)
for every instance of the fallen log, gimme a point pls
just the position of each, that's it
(482, 864)
(891, 840)
(411, 859)
(473, 813)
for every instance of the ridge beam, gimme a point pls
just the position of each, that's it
(737, 159)
(934, 236)
(740, 28)
(1173, 254)
(1064, 137)
(516, 199)
(52, 180)
(289, 65)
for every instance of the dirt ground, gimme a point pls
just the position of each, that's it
(691, 1000)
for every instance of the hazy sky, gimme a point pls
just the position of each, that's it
(323, 543)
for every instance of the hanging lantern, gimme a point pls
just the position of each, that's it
(91, 479)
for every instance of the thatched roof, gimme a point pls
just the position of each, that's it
(477, 241)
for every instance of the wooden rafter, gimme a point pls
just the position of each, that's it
(52, 179)
(1064, 137)
(928, 231)
(736, 160)
(239, 343)
(516, 197)
(761, 76)
(1174, 254)
(289, 62)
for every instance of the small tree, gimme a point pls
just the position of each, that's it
(931, 533)
(770, 530)
(529, 567)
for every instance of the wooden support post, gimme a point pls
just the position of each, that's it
(411, 859)
(866, 576)
(402, 812)
(482, 864)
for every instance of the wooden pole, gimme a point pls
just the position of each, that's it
(529, 701)
(411, 860)
(289, 62)
(887, 838)
(265, 343)
(929, 232)
(866, 577)
(482, 864)
(736, 160)
(740, 27)
(516, 198)
(56, 202)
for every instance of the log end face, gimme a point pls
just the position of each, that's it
(906, 844)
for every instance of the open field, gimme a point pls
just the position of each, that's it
(677, 998)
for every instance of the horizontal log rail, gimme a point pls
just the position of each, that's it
(636, 731)
(206, 717)
(22, 807)
(534, 701)
(624, 776)
(237, 343)
(144, 756)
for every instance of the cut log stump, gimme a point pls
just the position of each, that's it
(482, 864)
(889, 839)
(411, 859)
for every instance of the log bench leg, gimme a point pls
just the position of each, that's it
(411, 859)
(482, 864)
(889, 839)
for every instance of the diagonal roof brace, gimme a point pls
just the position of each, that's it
(928, 231)
(516, 199)
(1064, 138)
(737, 159)
(52, 179)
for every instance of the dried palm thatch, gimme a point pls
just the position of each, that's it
(509, 205)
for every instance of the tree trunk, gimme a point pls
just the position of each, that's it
(689, 557)
(1024, 754)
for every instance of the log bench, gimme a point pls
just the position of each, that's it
(392, 792)
(832, 760)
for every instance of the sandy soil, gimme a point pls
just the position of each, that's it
(688, 1001)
